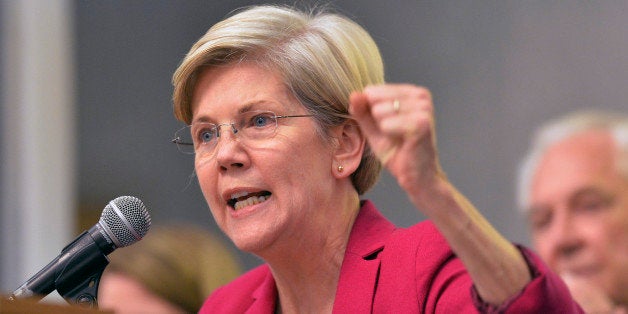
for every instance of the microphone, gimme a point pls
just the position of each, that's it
(76, 271)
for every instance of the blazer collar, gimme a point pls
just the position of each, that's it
(360, 267)
(359, 270)
(265, 296)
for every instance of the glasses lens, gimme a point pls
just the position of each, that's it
(257, 125)
(183, 139)
(251, 128)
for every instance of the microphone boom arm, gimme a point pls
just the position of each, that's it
(75, 272)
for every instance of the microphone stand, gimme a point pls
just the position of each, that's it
(75, 273)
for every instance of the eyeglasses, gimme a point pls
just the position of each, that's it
(251, 127)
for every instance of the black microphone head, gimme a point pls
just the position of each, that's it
(126, 220)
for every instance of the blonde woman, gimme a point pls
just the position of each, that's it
(290, 121)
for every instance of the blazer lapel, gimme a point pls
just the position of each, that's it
(264, 297)
(360, 268)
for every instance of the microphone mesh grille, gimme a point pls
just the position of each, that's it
(134, 223)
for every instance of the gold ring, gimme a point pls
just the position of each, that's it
(395, 106)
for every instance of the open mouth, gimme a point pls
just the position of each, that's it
(243, 199)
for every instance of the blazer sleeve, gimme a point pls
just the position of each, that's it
(439, 283)
(545, 293)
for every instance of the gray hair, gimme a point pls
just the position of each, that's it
(564, 127)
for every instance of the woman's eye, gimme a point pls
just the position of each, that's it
(206, 136)
(261, 120)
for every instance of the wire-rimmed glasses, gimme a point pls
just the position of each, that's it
(250, 127)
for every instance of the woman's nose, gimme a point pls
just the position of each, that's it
(218, 128)
(229, 151)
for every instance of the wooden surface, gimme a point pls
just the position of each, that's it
(27, 306)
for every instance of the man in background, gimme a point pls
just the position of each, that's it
(573, 188)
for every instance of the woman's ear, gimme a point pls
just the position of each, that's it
(349, 149)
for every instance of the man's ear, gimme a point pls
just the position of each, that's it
(350, 144)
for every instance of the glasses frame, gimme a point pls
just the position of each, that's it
(179, 142)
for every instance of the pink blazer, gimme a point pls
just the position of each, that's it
(399, 270)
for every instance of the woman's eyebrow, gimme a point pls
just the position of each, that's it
(248, 107)
(257, 105)
(253, 105)
(202, 119)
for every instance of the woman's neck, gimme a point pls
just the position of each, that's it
(307, 269)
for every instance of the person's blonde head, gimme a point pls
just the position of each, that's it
(180, 263)
(322, 56)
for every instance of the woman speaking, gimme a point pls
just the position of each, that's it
(290, 122)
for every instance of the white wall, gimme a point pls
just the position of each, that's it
(38, 136)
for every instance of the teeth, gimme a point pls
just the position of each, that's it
(249, 201)
(239, 194)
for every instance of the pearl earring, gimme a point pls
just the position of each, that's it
(340, 168)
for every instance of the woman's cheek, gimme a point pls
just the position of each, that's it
(208, 189)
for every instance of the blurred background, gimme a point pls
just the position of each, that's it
(87, 112)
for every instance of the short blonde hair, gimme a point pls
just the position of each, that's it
(322, 56)
(180, 263)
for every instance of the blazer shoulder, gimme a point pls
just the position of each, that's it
(423, 234)
(250, 280)
(237, 295)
